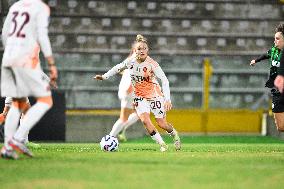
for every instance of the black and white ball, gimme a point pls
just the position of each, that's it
(109, 143)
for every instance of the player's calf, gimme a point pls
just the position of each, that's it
(176, 139)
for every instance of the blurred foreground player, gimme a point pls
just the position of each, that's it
(24, 33)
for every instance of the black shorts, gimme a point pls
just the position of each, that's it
(277, 101)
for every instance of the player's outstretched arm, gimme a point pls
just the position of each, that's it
(260, 58)
(114, 70)
(4, 114)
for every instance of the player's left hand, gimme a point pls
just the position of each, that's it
(98, 77)
(53, 84)
(168, 105)
(252, 63)
(53, 75)
(2, 118)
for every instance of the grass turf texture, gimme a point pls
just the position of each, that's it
(204, 162)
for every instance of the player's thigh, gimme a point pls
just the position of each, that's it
(161, 121)
(146, 120)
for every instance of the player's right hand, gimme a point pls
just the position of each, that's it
(252, 63)
(168, 105)
(2, 118)
(98, 77)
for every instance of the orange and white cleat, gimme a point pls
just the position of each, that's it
(20, 147)
(2, 118)
(177, 142)
(9, 154)
(163, 147)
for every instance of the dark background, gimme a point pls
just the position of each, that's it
(52, 125)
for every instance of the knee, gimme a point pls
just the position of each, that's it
(160, 122)
(279, 125)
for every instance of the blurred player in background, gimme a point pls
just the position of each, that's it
(128, 115)
(274, 55)
(279, 81)
(24, 33)
(127, 112)
(148, 96)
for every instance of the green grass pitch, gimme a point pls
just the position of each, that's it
(204, 162)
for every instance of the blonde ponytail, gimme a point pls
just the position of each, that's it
(140, 38)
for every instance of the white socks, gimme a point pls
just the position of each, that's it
(119, 125)
(173, 133)
(33, 115)
(133, 118)
(157, 137)
(11, 124)
(116, 128)
(26, 139)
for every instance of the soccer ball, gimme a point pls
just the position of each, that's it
(109, 143)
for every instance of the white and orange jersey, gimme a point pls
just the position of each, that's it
(143, 77)
(24, 33)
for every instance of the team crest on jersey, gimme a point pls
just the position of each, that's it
(145, 69)
(275, 63)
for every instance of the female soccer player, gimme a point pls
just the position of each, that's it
(24, 34)
(148, 95)
(274, 55)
